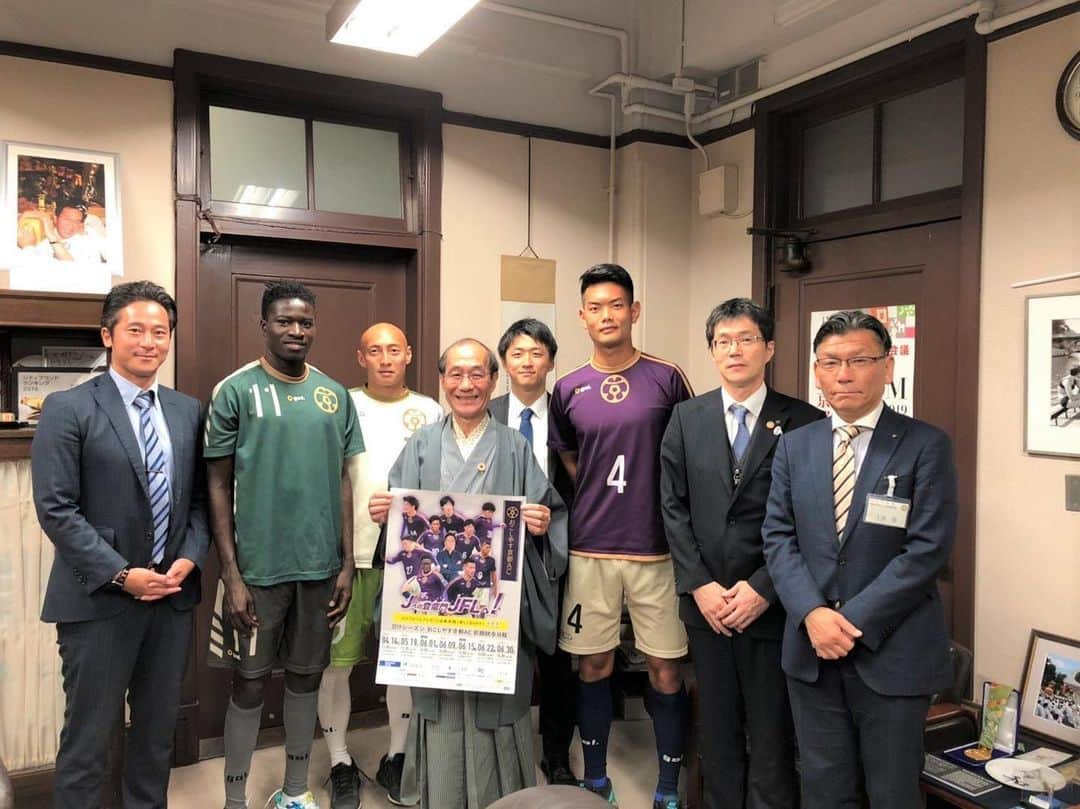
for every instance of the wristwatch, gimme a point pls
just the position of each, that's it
(121, 577)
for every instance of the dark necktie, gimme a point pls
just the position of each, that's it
(156, 474)
(742, 435)
(526, 424)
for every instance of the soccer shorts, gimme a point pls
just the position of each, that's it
(293, 631)
(592, 607)
(351, 633)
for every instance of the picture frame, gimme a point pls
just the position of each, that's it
(61, 228)
(1052, 374)
(33, 384)
(88, 357)
(1050, 690)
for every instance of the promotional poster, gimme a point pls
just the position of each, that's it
(451, 591)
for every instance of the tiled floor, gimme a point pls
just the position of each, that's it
(631, 756)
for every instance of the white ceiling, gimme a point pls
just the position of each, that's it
(489, 64)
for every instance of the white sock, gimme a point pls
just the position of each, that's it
(399, 709)
(335, 706)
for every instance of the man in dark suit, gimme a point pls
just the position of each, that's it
(527, 350)
(715, 461)
(859, 525)
(118, 490)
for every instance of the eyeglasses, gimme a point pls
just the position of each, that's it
(831, 364)
(745, 341)
(475, 376)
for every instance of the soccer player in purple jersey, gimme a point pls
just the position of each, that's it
(413, 523)
(431, 583)
(485, 523)
(451, 519)
(487, 570)
(409, 557)
(467, 539)
(432, 539)
(464, 585)
(606, 420)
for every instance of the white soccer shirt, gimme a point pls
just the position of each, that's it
(386, 426)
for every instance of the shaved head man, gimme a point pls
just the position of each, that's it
(389, 413)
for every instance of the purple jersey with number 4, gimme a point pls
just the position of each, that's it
(614, 421)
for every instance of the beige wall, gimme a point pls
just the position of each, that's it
(1027, 571)
(131, 116)
(720, 252)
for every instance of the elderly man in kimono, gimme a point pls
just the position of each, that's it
(472, 748)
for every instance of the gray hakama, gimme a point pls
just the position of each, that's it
(468, 749)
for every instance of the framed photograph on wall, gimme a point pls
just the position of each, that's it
(1052, 410)
(60, 224)
(1050, 689)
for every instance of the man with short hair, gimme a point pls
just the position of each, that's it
(607, 419)
(487, 571)
(451, 557)
(118, 489)
(413, 523)
(467, 539)
(527, 350)
(715, 460)
(451, 519)
(859, 525)
(388, 412)
(432, 539)
(473, 748)
(280, 438)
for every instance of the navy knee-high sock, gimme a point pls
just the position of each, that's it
(594, 725)
(670, 714)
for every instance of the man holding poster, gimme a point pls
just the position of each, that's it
(469, 452)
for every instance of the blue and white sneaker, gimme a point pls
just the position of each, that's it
(305, 801)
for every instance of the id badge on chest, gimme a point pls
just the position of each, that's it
(884, 509)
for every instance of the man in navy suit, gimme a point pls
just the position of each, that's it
(118, 490)
(859, 525)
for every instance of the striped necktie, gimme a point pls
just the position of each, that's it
(156, 474)
(843, 474)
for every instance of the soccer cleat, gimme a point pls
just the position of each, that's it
(389, 777)
(606, 791)
(305, 801)
(345, 786)
(667, 802)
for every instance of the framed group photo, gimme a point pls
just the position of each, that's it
(1052, 411)
(60, 223)
(1050, 689)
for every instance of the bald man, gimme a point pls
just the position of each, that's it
(389, 414)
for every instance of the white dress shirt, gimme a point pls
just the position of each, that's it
(539, 424)
(753, 403)
(861, 442)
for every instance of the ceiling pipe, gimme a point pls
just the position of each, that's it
(990, 24)
(632, 82)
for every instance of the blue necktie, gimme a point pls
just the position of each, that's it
(742, 436)
(156, 473)
(526, 424)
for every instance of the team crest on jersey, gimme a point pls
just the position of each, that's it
(413, 419)
(326, 399)
(614, 388)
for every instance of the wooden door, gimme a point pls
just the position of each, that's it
(354, 286)
(915, 265)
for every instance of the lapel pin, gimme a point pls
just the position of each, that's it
(770, 424)
(481, 467)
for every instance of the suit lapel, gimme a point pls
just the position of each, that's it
(820, 435)
(177, 436)
(762, 440)
(108, 398)
(883, 443)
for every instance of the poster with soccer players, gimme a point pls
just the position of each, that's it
(900, 323)
(451, 591)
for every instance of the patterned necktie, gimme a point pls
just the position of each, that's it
(843, 474)
(526, 424)
(160, 497)
(742, 435)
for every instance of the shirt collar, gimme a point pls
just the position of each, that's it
(539, 408)
(129, 390)
(475, 434)
(754, 402)
(869, 421)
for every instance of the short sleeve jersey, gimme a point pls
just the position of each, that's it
(289, 439)
(410, 560)
(432, 585)
(415, 526)
(461, 588)
(614, 421)
(484, 568)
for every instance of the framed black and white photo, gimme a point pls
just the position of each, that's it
(32, 385)
(60, 226)
(1050, 689)
(1052, 411)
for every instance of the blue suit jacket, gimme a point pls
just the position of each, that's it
(884, 578)
(92, 498)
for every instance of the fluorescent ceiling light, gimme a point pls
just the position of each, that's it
(407, 27)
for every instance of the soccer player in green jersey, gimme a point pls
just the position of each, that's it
(281, 440)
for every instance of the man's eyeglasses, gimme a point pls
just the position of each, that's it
(831, 364)
(745, 341)
(476, 377)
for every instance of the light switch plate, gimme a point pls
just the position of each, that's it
(1072, 492)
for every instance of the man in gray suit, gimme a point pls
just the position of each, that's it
(858, 527)
(527, 350)
(118, 490)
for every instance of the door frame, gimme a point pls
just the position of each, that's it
(199, 77)
(770, 207)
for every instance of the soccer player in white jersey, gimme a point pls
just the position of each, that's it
(388, 413)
